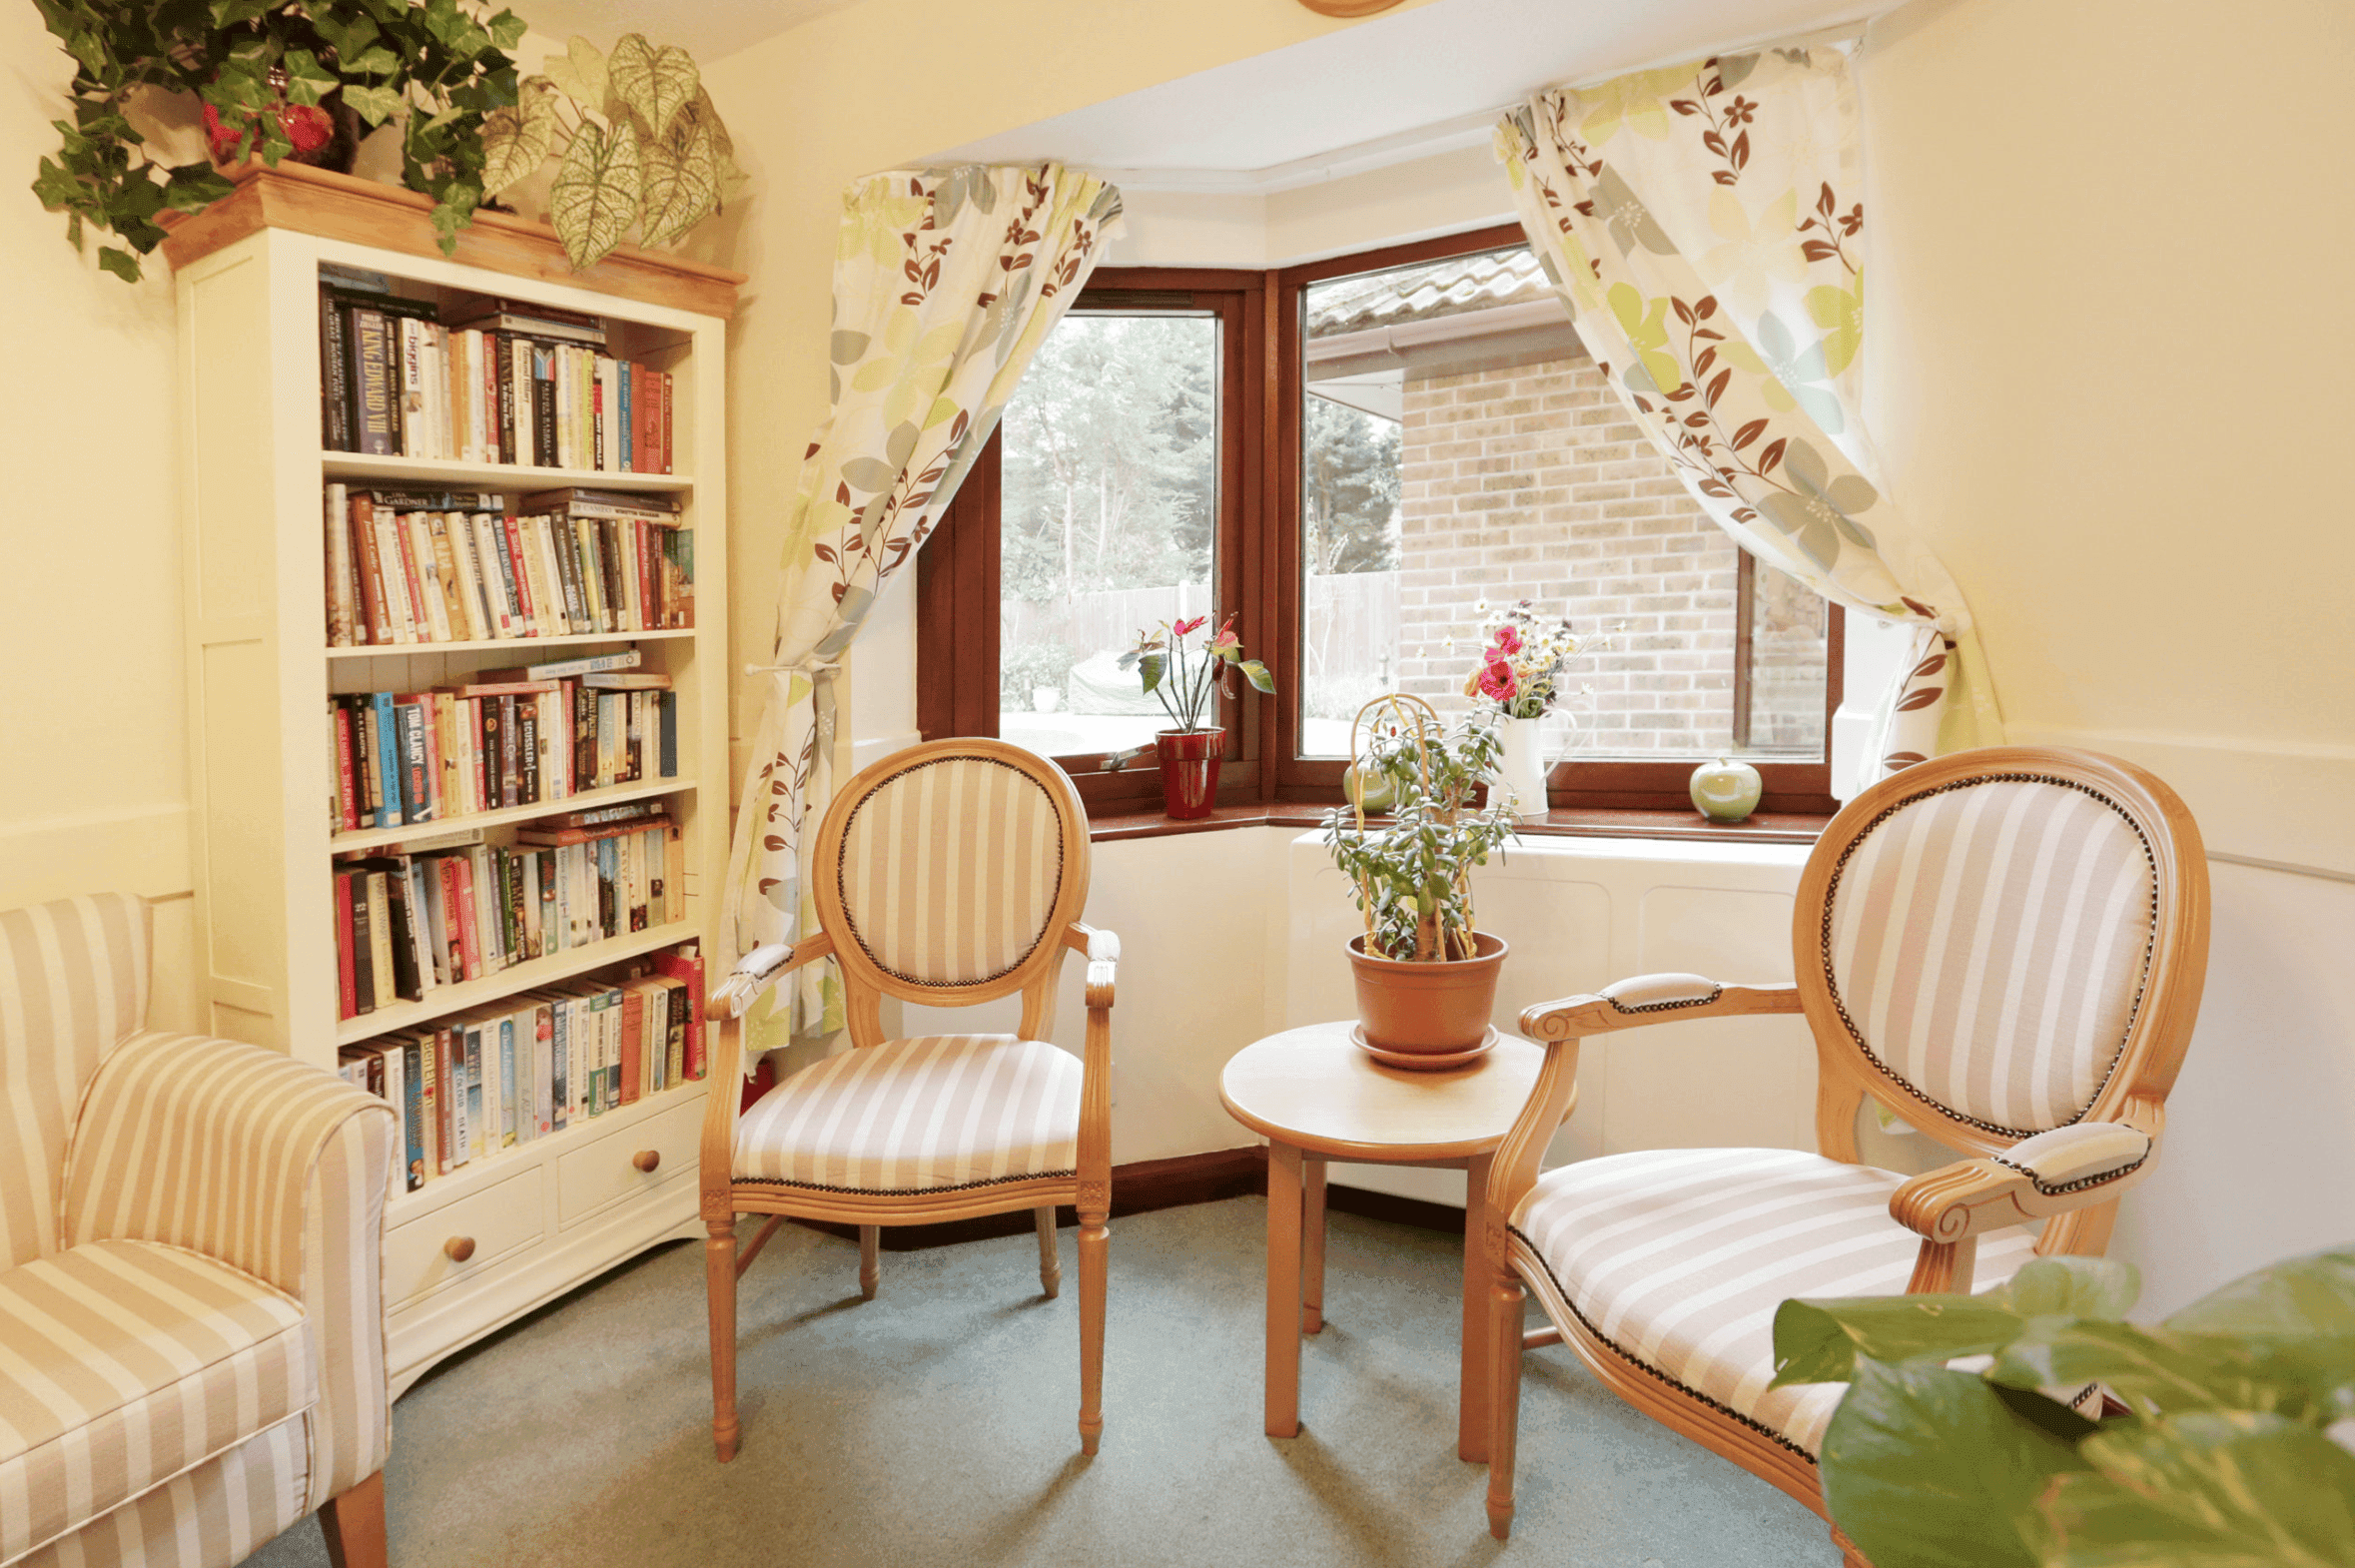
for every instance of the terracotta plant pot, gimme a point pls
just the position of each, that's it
(1190, 770)
(1427, 1009)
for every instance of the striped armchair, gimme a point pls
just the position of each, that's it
(192, 1350)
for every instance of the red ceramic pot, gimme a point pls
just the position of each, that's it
(1190, 770)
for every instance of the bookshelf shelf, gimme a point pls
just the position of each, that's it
(263, 756)
(351, 466)
(397, 650)
(443, 1001)
(586, 800)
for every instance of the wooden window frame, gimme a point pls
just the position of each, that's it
(1258, 571)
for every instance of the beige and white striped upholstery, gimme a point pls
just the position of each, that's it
(950, 869)
(216, 1514)
(915, 1115)
(124, 1363)
(73, 982)
(1679, 1258)
(1988, 945)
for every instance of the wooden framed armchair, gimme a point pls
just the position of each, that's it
(950, 874)
(2003, 947)
(192, 1326)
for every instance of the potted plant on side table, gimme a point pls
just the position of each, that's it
(1426, 979)
(1185, 679)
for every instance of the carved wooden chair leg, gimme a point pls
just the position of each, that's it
(1504, 1399)
(870, 1260)
(1050, 1261)
(353, 1523)
(1095, 1240)
(719, 1281)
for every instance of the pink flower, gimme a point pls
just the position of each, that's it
(1497, 682)
(1186, 628)
(1508, 641)
(1227, 639)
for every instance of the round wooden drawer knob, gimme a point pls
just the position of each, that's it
(459, 1248)
(647, 1159)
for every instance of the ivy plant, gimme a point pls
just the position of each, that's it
(439, 69)
(635, 138)
(2224, 1459)
(1412, 876)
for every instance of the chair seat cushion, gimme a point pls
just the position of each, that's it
(1679, 1258)
(918, 1115)
(124, 1363)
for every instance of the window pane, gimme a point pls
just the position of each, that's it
(1461, 452)
(1109, 517)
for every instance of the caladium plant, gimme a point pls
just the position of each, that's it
(1185, 679)
(2225, 1457)
(636, 141)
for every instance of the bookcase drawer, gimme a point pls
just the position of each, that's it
(608, 1169)
(422, 1255)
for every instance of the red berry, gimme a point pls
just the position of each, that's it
(307, 126)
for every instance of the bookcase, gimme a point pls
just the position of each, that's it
(496, 1237)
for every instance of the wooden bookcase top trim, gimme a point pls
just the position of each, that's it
(389, 217)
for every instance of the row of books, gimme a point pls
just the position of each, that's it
(409, 924)
(402, 758)
(412, 567)
(504, 382)
(471, 1087)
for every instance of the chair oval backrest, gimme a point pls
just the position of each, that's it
(1989, 930)
(950, 867)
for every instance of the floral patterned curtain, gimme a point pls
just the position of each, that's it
(946, 280)
(1704, 225)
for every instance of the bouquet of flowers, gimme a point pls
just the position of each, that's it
(1183, 678)
(1525, 658)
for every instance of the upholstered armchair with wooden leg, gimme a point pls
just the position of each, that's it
(192, 1320)
(2006, 948)
(950, 874)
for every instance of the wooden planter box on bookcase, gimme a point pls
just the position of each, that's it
(479, 1247)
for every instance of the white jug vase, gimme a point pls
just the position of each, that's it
(1521, 770)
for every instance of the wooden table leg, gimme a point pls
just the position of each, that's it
(1283, 1291)
(1311, 1243)
(1471, 1426)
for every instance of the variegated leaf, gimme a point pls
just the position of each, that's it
(596, 196)
(516, 139)
(681, 189)
(655, 83)
(580, 75)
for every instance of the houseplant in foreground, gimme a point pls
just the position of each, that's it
(1185, 679)
(1524, 664)
(2221, 1461)
(1426, 979)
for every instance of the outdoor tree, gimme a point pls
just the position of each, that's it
(1348, 488)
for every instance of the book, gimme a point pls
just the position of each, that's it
(417, 1104)
(684, 964)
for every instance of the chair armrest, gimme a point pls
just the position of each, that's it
(1104, 955)
(2051, 1173)
(1653, 999)
(264, 1162)
(760, 969)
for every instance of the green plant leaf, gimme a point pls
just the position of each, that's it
(346, 36)
(121, 263)
(682, 188)
(2314, 1295)
(1150, 667)
(517, 139)
(195, 187)
(596, 196)
(1927, 1468)
(579, 74)
(1820, 1341)
(1257, 673)
(306, 79)
(2206, 1491)
(373, 62)
(507, 29)
(2076, 1287)
(229, 13)
(2305, 1379)
(655, 83)
(374, 105)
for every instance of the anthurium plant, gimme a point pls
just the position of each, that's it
(268, 73)
(2223, 1458)
(1411, 875)
(1185, 679)
(637, 143)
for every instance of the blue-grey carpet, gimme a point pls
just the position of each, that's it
(935, 1425)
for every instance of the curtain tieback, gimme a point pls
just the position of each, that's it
(812, 667)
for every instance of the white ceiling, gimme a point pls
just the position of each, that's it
(1402, 85)
(707, 29)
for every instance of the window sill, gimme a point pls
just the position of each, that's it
(1766, 827)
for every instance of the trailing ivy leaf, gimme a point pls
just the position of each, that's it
(580, 75)
(682, 188)
(517, 139)
(596, 196)
(507, 29)
(373, 105)
(121, 263)
(2201, 1490)
(193, 186)
(229, 13)
(655, 84)
(373, 62)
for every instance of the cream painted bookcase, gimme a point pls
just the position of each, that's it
(480, 1247)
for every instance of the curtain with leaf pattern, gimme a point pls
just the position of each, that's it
(946, 280)
(1703, 224)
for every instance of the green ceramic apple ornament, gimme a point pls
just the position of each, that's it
(1726, 791)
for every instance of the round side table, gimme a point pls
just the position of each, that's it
(1316, 1097)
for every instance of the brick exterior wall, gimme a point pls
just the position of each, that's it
(1531, 482)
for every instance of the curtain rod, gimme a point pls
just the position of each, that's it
(1843, 35)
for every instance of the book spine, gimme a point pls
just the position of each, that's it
(346, 996)
(506, 1130)
(625, 457)
(346, 792)
(454, 623)
(378, 435)
(388, 761)
(667, 426)
(341, 602)
(412, 1114)
(468, 930)
(528, 606)
(469, 1042)
(596, 420)
(371, 569)
(511, 773)
(334, 414)
(418, 804)
(407, 403)
(461, 966)
(432, 902)
(494, 550)
(633, 1044)
(379, 939)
